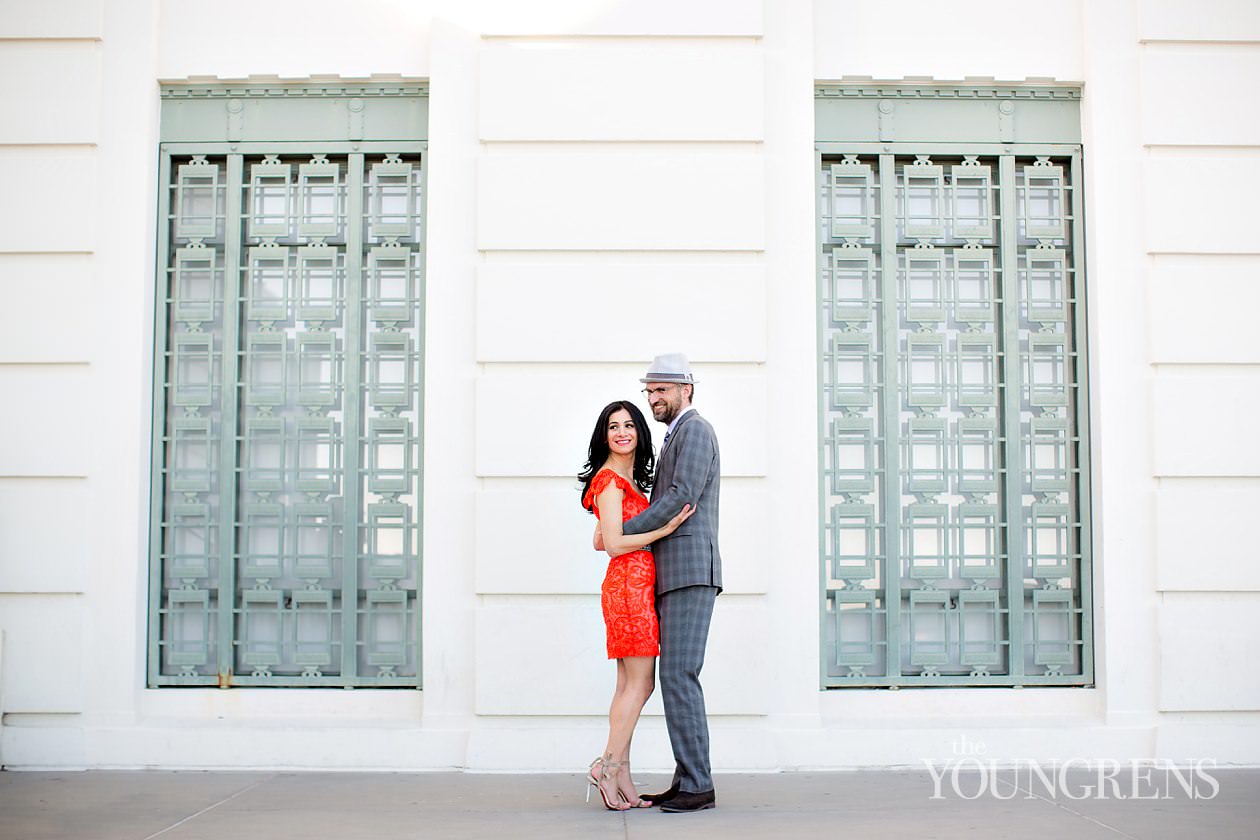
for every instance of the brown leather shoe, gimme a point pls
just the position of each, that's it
(685, 803)
(658, 798)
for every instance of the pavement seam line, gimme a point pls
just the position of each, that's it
(1062, 807)
(240, 792)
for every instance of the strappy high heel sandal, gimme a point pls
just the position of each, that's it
(636, 802)
(618, 802)
(591, 775)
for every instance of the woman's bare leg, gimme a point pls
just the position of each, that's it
(606, 778)
(621, 682)
(636, 679)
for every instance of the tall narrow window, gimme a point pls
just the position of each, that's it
(286, 463)
(953, 419)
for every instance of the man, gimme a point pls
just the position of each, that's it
(688, 574)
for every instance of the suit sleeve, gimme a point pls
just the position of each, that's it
(697, 457)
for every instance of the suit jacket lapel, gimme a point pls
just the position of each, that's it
(686, 418)
(663, 474)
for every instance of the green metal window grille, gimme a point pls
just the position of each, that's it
(286, 514)
(954, 495)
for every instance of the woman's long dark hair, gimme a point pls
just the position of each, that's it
(597, 453)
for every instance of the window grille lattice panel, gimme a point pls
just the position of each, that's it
(952, 476)
(289, 456)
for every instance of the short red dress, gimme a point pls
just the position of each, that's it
(628, 594)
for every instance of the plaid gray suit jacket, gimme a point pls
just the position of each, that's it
(686, 473)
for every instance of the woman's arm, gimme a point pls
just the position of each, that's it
(615, 542)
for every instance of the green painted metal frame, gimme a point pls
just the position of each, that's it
(157, 489)
(228, 467)
(1080, 345)
(410, 119)
(1012, 388)
(350, 464)
(890, 415)
(979, 140)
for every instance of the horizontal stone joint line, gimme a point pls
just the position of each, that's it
(212, 807)
(58, 253)
(640, 39)
(51, 39)
(1199, 42)
(1062, 807)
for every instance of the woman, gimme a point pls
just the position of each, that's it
(615, 480)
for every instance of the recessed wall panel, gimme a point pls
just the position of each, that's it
(564, 200)
(1205, 534)
(42, 659)
(660, 91)
(47, 312)
(44, 431)
(731, 296)
(64, 105)
(1187, 98)
(1215, 197)
(617, 17)
(45, 540)
(1213, 20)
(1204, 425)
(52, 19)
(1202, 308)
(1202, 640)
(58, 209)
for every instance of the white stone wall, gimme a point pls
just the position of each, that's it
(1201, 155)
(609, 180)
(50, 301)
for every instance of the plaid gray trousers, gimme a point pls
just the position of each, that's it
(684, 616)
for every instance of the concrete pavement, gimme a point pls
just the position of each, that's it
(192, 805)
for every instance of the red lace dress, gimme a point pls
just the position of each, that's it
(628, 594)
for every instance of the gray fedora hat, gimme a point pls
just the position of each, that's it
(670, 367)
